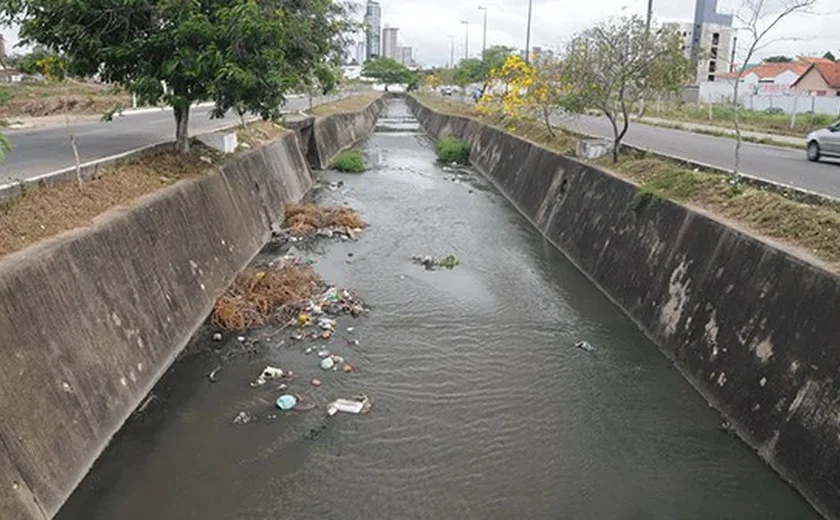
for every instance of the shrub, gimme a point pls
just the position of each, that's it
(349, 161)
(453, 150)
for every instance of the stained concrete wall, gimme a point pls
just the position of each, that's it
(753, 327)
(91, 319)
(334, 133)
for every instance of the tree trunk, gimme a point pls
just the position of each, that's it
(546, 116)
(615, 136)
(182, 129)
(735, 112)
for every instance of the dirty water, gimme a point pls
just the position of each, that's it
(482, 406)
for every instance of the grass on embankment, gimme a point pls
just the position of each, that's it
(353, 103)
(751, 120)
(811, 227)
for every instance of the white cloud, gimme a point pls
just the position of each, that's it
(425, 25)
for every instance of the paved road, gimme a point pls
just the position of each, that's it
(44, 150)
(782, 165)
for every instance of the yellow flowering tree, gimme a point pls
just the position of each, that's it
(519, 90)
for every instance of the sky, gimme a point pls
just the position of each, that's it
(426, 24)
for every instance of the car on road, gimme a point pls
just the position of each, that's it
(824, 143)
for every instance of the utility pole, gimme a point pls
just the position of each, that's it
(451, 51)
(649, 16)
(466, 39)
(484, 39)
(528, 34)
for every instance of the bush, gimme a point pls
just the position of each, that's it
(349, 161)
(453, 150)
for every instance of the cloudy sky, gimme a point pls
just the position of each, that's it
(425, 24)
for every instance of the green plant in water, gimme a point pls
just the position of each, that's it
(453, 150)
(449, 262)
(349, 161)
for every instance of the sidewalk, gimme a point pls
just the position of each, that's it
(712, 129)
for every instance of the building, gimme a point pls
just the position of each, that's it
(768, 78)
(361, 52)
(822, 78)
(709, 41)
(389, 42)
(405, 55)
(373, 30)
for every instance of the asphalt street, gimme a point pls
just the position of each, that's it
(42, 150)
(783, 165)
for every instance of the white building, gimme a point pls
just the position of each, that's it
(405, 55)
(389, 42)
(708, 41)
(373, 30)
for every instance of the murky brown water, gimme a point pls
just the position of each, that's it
(482, 406)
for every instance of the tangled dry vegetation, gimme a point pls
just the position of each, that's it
(257, 295)
(305, 219)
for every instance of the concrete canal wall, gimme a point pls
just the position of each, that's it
(332, 134)
(753, 327)
(91, 319)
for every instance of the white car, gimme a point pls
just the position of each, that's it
(824, 143)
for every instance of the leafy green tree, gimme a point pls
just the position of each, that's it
(829, 56)
(618, 63)
(390, 72)
(469, 71)
(29, 63)
(495, 57)
(242, 54)
(778, 59)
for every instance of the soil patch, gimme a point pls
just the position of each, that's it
(354, 103)
(46, 99)
(47, 211)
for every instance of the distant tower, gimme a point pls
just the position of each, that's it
(373, 29)
(705, 12)
(389, 42)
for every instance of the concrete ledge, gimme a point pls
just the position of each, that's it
(334, 133)
(92, 318)
(753, 327)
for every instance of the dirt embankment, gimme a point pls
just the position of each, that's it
(48, 99)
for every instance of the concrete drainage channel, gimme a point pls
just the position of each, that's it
(100, 313)
(144, 294)
(508, 375)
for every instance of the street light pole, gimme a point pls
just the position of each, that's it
(649, 16)
(484, 39)
(528, 34)
(466, 39)
(451, 51)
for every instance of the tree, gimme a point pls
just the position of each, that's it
(245, 54)
(829, 56)
(757, 20)
(389, 72)
(778, 59)
(519, 89)
(495, 57)
(469, 71)
(617, 63)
